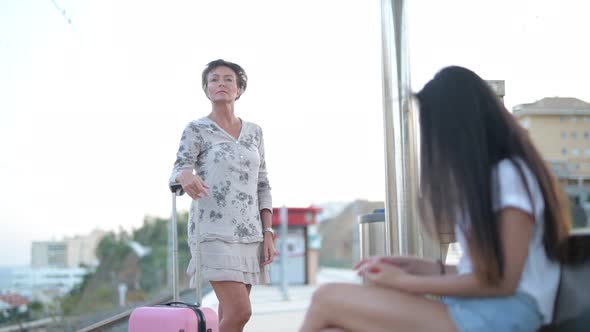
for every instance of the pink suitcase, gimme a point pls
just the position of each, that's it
(175, 316)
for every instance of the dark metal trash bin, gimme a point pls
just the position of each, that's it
(372, 234)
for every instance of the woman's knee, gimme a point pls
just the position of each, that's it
(327, 293)
(238, 313)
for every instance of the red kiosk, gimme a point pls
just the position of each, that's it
(302, 244)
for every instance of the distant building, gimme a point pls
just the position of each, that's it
(13, 301)
(49, 254)
(56, 281)
(82, 249)
(4, 307)
(498, 86)
(5, 278)
(560, 128)
(56, 266)
(70, 253)
(301, 256)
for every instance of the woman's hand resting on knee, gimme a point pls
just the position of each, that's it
(379, 273)
(402, 273)
(410, 265)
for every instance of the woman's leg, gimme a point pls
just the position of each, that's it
(220, 310)
(234, 305)
(352, 307)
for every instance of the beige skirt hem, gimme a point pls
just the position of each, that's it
(225, 261)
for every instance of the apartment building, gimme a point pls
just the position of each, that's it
(52, 281)
(560, 128)
(72, 252)
(49, 254)
(82, 249)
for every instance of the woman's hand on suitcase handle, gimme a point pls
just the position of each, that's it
(193, 185)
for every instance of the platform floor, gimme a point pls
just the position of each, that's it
(272, 312)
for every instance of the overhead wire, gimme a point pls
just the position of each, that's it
(63, 12)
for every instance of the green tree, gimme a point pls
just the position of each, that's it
(154, 234)
(98, 289)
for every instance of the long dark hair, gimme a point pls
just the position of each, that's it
(465, 132)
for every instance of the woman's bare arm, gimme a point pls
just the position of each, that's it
(516, 231)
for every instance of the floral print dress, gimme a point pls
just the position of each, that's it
(228, 219)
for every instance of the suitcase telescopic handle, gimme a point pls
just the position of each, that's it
(176, 188)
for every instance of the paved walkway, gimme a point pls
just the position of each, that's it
(272, 312)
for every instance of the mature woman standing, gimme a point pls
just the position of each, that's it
(231, 196)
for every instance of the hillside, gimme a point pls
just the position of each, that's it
(144, 277)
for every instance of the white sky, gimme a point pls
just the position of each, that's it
(91, 112)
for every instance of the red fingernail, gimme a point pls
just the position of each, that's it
(374, 270)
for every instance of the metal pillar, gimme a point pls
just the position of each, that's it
(284, 233)
(402, 229)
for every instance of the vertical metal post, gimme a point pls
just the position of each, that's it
(122, 291)
(356, 239)
(284, 252)
(173, 230)
(169, 276)
(401, 227)
(198, 280)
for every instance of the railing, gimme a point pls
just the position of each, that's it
(102, 325)
(124, 316)
(27, 326)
